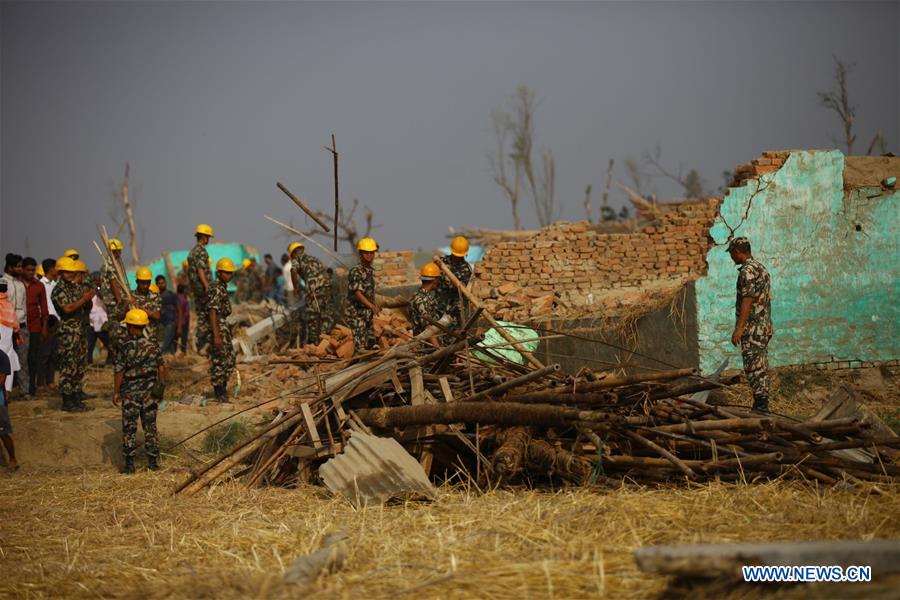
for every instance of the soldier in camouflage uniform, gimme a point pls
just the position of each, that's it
(200, 278)
(221, 352)
(361, 307)
(319, 314)
(138, 366)
(70, 299)
(242, 284)
(447, 293)
(425, 306)
(148, 301)
(113, 299)
(257, 278)
(753, 316)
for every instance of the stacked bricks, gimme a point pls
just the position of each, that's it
(771, 161)
(570, 258)
(394, 269)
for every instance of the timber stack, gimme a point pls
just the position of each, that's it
(479, 415)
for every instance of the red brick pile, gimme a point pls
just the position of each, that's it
(769, 162)
(566, 266)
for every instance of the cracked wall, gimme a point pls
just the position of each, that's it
(832, 255)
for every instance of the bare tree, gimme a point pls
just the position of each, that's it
(636, 176)
(513, 129)
(693, 185)
(122, 215)
(838, 100)
(346, 227)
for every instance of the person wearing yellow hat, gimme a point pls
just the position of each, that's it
(424, 306)
(361, 306)
(144, 298)
(112, 295)
(71, 300)
(242, 283)
(221, 353)
(139, 366)
(318, 306)
(257, 277)
(449, 296)
(72, 253)
(200, 280)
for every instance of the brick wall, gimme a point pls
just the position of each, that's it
(394, 269)
(769, 162)
(571, 261)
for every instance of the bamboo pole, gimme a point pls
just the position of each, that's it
(309, 239)
(337, 203)
(661, 451)
(303, 207)
(511, 384)
(477, 304)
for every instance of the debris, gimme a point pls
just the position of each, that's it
(328, 558)
(726, 560)
(373, 470)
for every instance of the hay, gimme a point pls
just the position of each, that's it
(94, 532)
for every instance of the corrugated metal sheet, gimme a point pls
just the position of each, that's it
(372, 470)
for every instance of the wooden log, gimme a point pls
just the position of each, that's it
(752, 424)
(512, 384)
(558, 461)
(662, 451)
(746, 461)
(609, 382)
(507, 460)
(477, 304)
(303, 207)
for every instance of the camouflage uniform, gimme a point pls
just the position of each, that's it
(198, 260)
(149, 303)
(113, 326)
(753, 280)
(447, 293)
(255, 289)
(222, 361)
(138, 359)
(241, 282)
(360, 317)
(423, 306)
(319, 314)
(71, 338)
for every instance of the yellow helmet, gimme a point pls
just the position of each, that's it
(71, 253)
(80, 267)
(431, 271)
(115, 244)
(367, 245)
(154, 288)
(136, 317)
(459, 246)
(143, 274)
(64, 263)
(246, 263)
(40, 270)
(294, 246)
(203, 229)
(184, 264)
(226, 265)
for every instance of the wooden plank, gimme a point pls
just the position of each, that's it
(310, 425)
(396, 382)
(417, 385)
(445, 389)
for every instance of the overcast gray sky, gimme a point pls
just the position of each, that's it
(213, 102)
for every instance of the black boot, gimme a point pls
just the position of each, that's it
(80, 406)
(221, 393)
(129, 465)
(153, 463)
(761, 406)
(67, 402)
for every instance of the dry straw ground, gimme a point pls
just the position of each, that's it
(95, 533)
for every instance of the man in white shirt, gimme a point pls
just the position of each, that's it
(47, 357)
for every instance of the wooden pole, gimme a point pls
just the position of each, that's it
(475, 302)
(605, 202)
(129, 215)
(337, 196)
(303, 207)
(308, 239)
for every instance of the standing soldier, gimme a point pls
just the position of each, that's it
(149, 301)
(361, 307)
(318, 307)
(71, 299)
(138, 367)
(257, 281)
(112, 296)
(242, 283)
(446, 291)
(753, 315)
(219, 307)
(424, 306)
(200, 278)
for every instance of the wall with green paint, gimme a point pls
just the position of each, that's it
(832, 257)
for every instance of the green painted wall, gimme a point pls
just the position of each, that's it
(833, 259)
